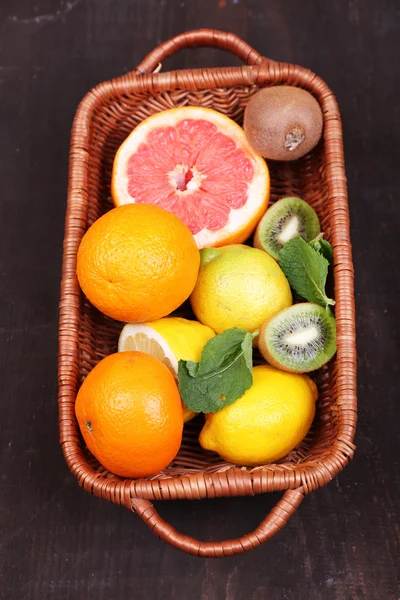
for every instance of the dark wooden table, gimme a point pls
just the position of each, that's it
(58, 542)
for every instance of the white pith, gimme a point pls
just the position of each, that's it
(192, 186)
(290, 230)
(302, 337)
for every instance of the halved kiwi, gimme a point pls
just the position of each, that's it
(299, 339)
(283, 221)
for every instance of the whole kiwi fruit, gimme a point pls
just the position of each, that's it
(283, 122)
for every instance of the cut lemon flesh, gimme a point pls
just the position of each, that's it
(145, 339)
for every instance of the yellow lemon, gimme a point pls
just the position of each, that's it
(169, 339)
(238, 286)
(267, 422)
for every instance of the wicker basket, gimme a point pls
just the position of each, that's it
(103, 120)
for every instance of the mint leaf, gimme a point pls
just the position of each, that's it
(323, 247)
(223, 374)
(306, 270)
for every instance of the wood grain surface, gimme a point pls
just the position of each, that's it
(58, 542)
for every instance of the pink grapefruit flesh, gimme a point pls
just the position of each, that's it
(196, 163)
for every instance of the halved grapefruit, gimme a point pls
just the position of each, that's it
(196, 163)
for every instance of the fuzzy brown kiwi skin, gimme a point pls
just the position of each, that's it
(283, 122)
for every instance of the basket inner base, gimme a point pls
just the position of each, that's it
(98, 337)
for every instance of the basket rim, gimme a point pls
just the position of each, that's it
(235, 480)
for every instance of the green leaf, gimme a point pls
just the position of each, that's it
(223, 374)
(323, 247)
(306, 270)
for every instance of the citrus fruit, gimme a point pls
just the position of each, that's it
(267, 422)
(137, 263)
(238, 286)
(197, 163)
(169, 339)
(130, 415)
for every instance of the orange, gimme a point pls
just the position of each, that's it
(137, 263)
(130, 414)
(198, 164)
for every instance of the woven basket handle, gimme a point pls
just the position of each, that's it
(200, 37)
(273, 522)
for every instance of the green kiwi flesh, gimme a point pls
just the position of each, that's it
(299, 339)
(283, 221)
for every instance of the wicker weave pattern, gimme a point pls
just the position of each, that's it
(104, 119)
